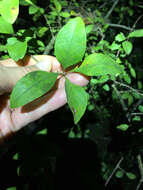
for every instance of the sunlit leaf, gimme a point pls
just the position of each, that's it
(127, 46)
(120, 37)
(31, 86)
(70, 43)
(5, 27)
(16, 48)
(136, 34)
(98, 64)
(9, 10)
(77, 99)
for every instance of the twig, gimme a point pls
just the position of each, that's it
(113, 172)
(140, 166)
(134, 108)
(136, 113)
(120, 98)
(120, 26)
(134, 25)
(49, 46)
(129, 87)
(49, 26)
(111, 10)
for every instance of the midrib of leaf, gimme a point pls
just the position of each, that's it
(38, 81)
(69, 48)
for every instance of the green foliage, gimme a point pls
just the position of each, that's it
(136, 34)
(127, 46)
(106, 47)
(123, 127)
(98, 64)
(20, 48)
(9, 10)
(77, 99)
(70, 43)
(5, 27)
(32, 86)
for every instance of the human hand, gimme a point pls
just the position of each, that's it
(12, 120)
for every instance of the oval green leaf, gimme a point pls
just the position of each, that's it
(77, 100)
(127, 46)
(70, 43)
(120, 37)
(5, 27)
(31, 86)
(123, 127)
(16, 49)
(9, 10)
(136, 34)
(98, 64)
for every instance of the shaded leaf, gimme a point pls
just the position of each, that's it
(98, 64)
(119, 174)
(16, 48)
(123, 127)
(9, 10)
(77, 99)
(31, 86)
(130, 175)
(70, 43)
(5, 27)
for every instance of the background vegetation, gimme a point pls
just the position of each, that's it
(106, 147)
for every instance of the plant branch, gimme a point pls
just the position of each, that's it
(49, 46)
(129, 87)
(120, 26)
(120, 98)
(111, 10)
(113, 172)
(140, 166)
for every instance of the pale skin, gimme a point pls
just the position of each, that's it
(12, 120)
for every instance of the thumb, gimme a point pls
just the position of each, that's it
(10, 75)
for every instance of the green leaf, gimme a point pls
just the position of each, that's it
(5, 27)
(33, 9)
(136, 34)
(58, 6)
(98, 64)
(115, 46)
(136, 118)
(119, 174)
(89, 28)
(65, 14)
(9, 10)
(140, 108)
(11, 188)
(77, 99)
(127, 78)
(106, 87)
(127, 46)
(130, 175)
(120, 37)
(31, 86)
(16, 49)
(123, 127)
(70, 43)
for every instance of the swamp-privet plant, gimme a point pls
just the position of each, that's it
(69, 49)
